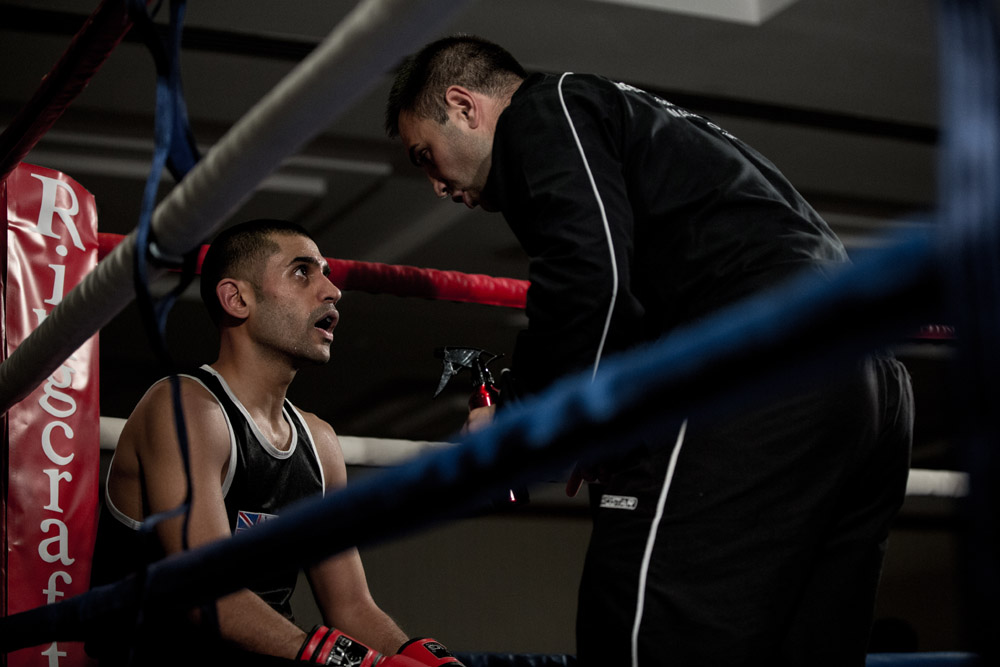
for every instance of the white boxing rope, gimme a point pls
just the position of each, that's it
(359, 451)
(355, 56)
(937, 483)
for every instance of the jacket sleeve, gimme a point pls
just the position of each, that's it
(559, 173)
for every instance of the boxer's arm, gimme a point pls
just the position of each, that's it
(341, 591)
(339, 583)
(244, 618)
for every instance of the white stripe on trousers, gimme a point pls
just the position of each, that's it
(651, 541)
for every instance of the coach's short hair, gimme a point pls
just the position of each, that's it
(465, 60)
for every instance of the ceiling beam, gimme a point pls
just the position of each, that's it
(753, 12)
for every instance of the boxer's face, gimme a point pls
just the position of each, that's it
(295, 306)
(454, 155)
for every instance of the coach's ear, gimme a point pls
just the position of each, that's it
(464, 105)
(235, 297)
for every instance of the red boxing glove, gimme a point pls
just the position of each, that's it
(424, 651)
(329, 646)
(400, 661)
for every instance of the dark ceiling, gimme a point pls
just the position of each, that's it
(840, 94)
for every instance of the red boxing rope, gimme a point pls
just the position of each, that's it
(398, 280)
(86, 53)
(939, 332)
(428, 283)
(376, 278)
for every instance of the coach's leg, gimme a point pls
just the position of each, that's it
(832, 623)
(752, 503)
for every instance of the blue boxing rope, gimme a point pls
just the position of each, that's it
(969, 197)
(727, 361)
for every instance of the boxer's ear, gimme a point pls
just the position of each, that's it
(235, 297)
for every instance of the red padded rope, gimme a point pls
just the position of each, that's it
(69, 76)
(376, 278)
(398, 280)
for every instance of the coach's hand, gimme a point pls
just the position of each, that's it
(583, 474)
(479, 418)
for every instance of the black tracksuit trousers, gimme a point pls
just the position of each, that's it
(766, 547)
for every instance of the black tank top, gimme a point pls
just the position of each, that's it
(260, 480)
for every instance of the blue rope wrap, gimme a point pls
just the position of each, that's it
(175, 149)
(969, 212)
